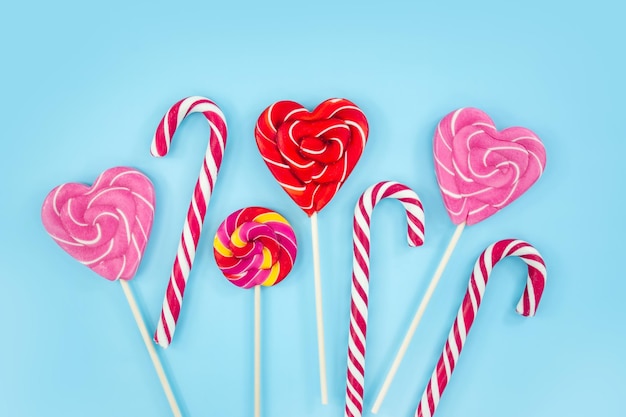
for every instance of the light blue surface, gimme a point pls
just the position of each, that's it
(83, 87)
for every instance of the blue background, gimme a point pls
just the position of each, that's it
(83, 87)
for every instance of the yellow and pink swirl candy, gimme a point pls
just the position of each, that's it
(255, 246)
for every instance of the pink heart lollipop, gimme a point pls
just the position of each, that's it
(480, 170)
(106, 228)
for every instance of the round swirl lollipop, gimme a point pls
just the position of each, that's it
(255, 246)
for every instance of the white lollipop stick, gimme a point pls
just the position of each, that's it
(150, 346)
(317, 276)
(418, 317)
(257, 351)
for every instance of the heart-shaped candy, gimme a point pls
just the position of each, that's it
(311, 154)
(105, 226)
(479, 169)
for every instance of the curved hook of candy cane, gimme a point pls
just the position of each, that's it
(360, 277)
(199, 202)
(527, 306)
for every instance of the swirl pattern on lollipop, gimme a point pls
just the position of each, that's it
(105, 226)
(480, 170)
(255, 246)
(311, 154)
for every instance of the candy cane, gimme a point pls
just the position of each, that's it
(527, 306)
(360, 277)
(199, 202)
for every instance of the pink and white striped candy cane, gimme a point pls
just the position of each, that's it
(360, 277)
(527, 306)
(199, 202)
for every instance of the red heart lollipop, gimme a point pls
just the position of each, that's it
(311, 154)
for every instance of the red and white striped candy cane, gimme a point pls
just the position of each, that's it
(360, 277)
(527, 306)
(199, 202)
